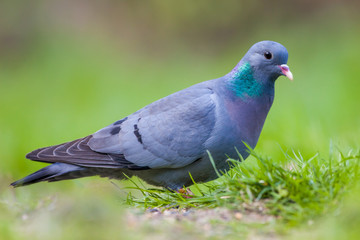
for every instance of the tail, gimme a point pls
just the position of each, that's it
(75, 159)
(54, 172)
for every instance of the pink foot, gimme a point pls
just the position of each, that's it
(185, 192)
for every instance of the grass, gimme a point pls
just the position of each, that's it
(295, 190)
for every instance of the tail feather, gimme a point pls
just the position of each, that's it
(54, 172)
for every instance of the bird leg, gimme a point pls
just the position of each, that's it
(185, 192)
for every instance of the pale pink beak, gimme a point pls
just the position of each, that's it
(286, 71)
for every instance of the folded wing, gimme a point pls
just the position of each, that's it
(169, 133)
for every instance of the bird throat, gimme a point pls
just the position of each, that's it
(243, 83)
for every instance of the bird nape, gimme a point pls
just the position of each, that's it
(168, 139)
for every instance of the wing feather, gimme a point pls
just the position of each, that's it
(79, 153)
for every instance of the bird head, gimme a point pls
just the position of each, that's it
(268, 61)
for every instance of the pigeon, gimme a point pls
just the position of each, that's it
(171, 141)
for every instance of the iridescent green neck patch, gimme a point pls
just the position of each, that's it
(243, 84)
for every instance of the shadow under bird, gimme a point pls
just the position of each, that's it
(168, 139)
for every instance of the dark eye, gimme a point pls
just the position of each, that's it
(268, 55)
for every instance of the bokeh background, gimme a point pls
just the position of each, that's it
(69, 68)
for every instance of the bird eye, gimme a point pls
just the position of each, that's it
(268, 55)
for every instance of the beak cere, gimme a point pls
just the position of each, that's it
(286, 71)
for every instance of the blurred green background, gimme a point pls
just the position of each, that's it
(69, 68)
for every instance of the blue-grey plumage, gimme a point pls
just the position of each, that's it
(168, 139)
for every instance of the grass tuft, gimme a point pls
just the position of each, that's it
(294, 189)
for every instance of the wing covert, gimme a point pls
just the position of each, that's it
(169, 133)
